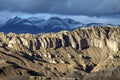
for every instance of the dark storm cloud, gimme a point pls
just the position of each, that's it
(86, 7)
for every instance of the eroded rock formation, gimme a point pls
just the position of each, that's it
(78, 39)
(66, 54)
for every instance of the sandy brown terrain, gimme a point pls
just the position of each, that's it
(91, 53)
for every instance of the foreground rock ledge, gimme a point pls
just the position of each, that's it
(84, 53)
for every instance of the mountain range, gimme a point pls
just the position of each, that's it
(37, 25)
(91, 53)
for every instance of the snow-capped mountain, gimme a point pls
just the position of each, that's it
(99, 24)
(38, 25)
(54, 23)
(17, 20)
(73, 23)
(19, 25)
(36, 21)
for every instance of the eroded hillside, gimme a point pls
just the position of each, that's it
(84, 53)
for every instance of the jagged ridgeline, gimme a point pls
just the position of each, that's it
(84, 53)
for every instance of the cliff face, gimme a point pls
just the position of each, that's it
(78, 39)
(66, 54)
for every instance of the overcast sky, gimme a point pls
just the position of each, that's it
(89, 8)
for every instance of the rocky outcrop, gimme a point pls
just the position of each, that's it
(64, 55)
(78, 39)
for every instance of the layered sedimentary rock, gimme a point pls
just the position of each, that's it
(78, 39)
(66, 54)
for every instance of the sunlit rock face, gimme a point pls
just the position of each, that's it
(78, 39)
(77, 54)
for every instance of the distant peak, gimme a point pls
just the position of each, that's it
(16, 17)
(35, 19)
(55, 18)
